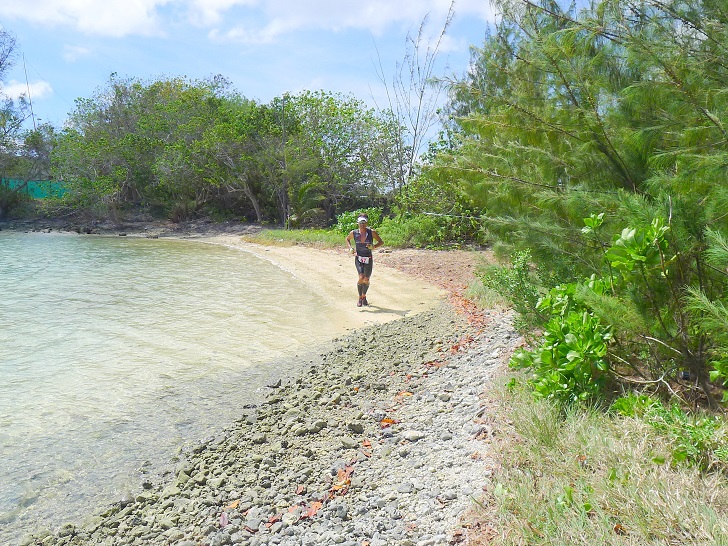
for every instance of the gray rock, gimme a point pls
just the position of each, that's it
(355, 427)
(347, 442)
(413, 435)
(391, 482)
(170, 491)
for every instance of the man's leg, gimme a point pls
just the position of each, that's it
(364, 288)
(360, 286)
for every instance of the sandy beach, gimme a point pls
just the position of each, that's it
(330, 274)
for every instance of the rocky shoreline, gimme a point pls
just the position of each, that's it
(382, 440)
(141, 226)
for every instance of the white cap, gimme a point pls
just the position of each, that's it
(361, 219)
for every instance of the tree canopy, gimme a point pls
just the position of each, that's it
(199, 144)
(595, 139)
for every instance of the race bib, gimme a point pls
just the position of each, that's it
(364, 259)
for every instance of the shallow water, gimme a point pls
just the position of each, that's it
(115, 352)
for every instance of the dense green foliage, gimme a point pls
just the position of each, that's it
(182, 146)
(616, 113)
(570, 364)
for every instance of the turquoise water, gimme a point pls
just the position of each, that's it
(115, 352)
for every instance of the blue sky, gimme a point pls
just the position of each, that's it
(266, 48)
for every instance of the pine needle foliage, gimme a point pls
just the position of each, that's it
(619, 110)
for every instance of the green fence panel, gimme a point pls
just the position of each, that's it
(37, 189)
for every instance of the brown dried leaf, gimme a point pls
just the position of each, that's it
(233, 505)
(313, 509)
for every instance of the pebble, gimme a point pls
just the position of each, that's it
(370, 448)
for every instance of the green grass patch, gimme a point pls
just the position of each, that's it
(486, 298)
(320, 238)
(584, 476)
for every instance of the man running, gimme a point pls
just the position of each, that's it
(365, 239)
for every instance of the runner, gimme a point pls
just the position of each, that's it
(365, 239)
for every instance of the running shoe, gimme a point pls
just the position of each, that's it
(359, 304)
(364, 301)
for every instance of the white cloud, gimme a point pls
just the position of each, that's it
(264, 20)
(478, 8)
(449, 44)
(38, 89)
(210, 12)
(107, 18)
(73, 53)
(245, 35)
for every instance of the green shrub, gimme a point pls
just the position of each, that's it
(570, 365)
(518, 285)
(409, 231)
(346, 221)
(633, 405)
(695, 439)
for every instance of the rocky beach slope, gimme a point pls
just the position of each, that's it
(383, 440)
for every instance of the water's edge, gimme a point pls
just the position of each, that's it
(252, 387)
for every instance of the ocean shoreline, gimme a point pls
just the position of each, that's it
(380, 441)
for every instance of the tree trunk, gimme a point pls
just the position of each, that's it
(247, 190)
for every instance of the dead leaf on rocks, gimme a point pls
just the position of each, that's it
(300, 489)
(233, 505)
(366, 443)
(387, 422)
(343, 481)
(271, 520)
(312, 509)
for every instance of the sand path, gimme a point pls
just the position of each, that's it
(331, 275)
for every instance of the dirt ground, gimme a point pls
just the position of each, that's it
(451, 270)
